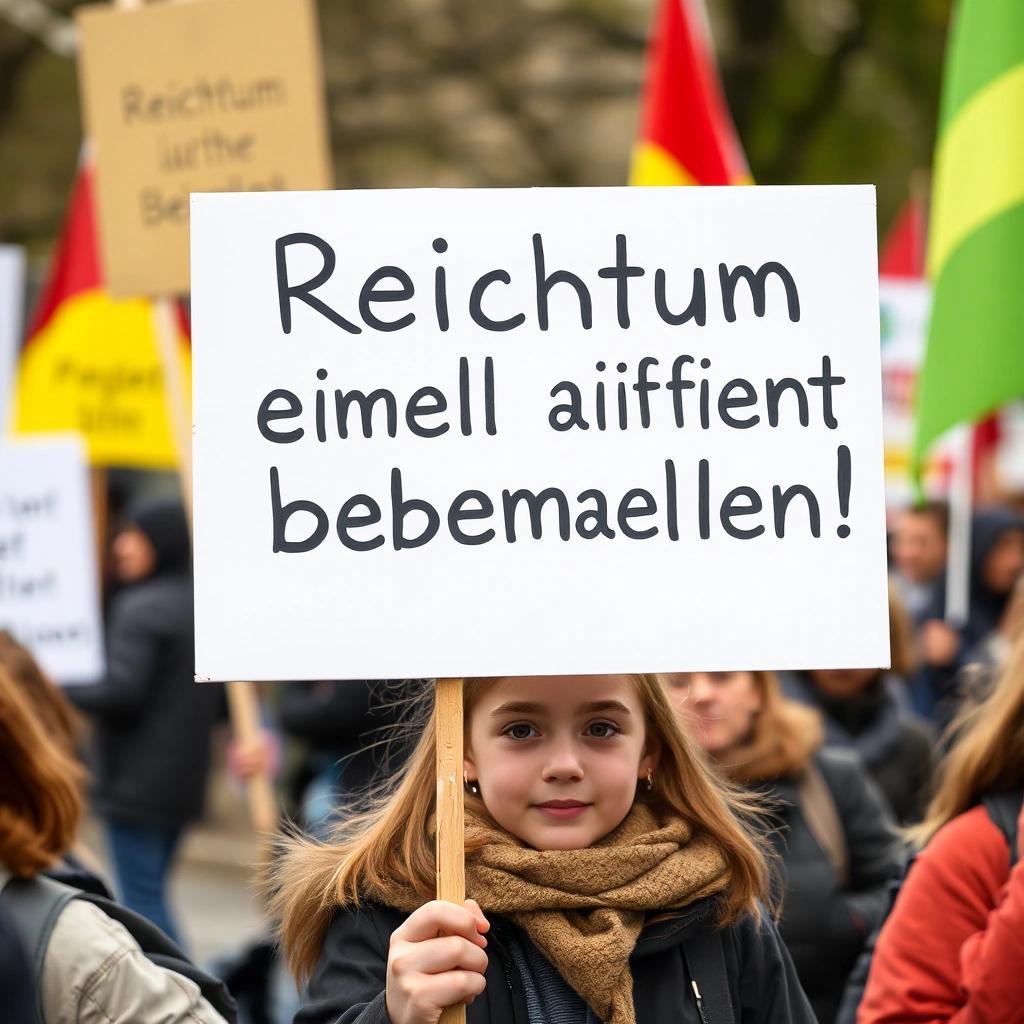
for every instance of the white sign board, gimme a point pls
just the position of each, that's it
(49, 591)
(12, 303)
(905, 307)
(489, 432)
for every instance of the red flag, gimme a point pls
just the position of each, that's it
(686, 133)
(903, 251)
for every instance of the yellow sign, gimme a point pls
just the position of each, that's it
(207, 96)
(94, 367)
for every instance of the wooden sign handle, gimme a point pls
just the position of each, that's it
(450, 842)
(244, 709)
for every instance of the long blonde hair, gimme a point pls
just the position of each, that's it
(987, 753)
(393, 840)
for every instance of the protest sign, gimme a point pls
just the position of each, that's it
(905, 306)
(489, 432)
(49, 591)
(12, 302)
(222, 95)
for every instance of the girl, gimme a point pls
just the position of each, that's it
(833, 836)
(953, 947)
(607, 867)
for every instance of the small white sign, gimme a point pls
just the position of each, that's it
(49, 592)
(12, 311)
(545, 431)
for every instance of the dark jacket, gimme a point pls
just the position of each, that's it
(823, 925)
(347, 986)
(892, 742)
(934, 688)
(153, 721)
(355, 724)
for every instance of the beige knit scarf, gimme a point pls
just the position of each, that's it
(584, 909)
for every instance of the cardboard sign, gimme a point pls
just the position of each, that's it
(488, 432)
(218, 95)
(12, 311)
(49, 591)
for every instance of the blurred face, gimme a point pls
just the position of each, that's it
(1005, 562)
(718, 708)
(134, 557)
(558, 759)
(843, 683)
(919, 547)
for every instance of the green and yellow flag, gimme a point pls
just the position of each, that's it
(974, 361)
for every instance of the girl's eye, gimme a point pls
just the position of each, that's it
(521, 731)
(603, 730)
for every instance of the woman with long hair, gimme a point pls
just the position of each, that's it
(93, 971)
(606, 865)
(832, 834)
(952, 949)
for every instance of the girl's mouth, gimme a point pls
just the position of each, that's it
(562, 809)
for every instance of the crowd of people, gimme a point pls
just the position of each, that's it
(830, 846)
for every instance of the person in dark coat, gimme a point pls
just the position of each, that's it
(355, 737)
(152, 721)
(997, 563)
(832, 831)
(867, 711)
(612, 877)
(919, 548)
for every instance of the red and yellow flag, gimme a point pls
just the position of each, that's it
(686, 134)
(91, 363)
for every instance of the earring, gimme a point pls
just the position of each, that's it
(650, 780)
(471, 787)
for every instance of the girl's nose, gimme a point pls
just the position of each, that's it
(563, 766)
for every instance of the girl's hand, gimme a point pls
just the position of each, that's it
(436, 960)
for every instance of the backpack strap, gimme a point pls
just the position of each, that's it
(34, 905)
(822, 817)
(1004, 810)
(709, 981)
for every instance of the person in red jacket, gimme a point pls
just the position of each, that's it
(953, 947)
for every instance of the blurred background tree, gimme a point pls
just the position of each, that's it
(540, 92)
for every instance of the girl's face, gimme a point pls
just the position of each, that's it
(558, 759)
(718, 708)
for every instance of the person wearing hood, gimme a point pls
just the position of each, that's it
(152, 721)
(997, 562)
(867, 710)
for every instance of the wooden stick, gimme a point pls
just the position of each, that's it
(450, 844)
(244, 708)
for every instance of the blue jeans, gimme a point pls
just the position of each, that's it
(142, 856)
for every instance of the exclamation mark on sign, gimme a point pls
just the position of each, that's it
(843, 484)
